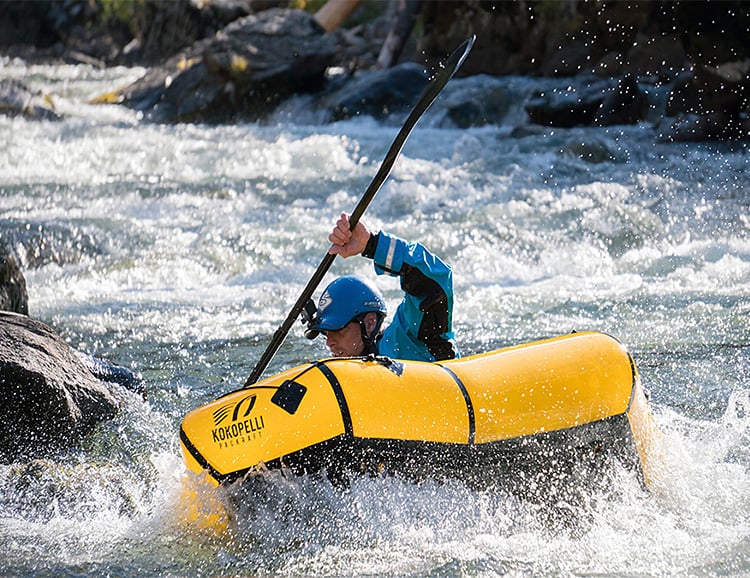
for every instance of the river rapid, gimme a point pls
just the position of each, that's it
(178, 250)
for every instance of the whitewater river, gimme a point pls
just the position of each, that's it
(178, 250)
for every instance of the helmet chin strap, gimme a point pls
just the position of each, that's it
(370, 340)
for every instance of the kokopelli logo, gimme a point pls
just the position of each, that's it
(241, 428)
(235, 408)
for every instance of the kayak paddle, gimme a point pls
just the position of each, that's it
(436, 85)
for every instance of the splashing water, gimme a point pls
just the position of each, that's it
(178, 250)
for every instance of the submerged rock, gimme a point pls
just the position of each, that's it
(574, 104)
(711, 103)
(17, 99)
(50, 400)
(625, 104)
(43, 489)
(35, 244)
(105, 370)
(590, 101)
(377, 93)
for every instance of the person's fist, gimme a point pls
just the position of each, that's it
(346, 242)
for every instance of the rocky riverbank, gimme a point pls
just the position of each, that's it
(225, 61)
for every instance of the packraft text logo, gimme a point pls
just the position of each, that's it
(242, 427)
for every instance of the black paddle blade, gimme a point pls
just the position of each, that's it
(431, 92)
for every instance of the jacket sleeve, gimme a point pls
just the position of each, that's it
(422, 326)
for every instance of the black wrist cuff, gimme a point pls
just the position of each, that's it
(372, 244)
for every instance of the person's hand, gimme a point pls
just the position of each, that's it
(346, 242)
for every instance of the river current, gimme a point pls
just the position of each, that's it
(178, 250)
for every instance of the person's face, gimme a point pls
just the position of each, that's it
(346, 342)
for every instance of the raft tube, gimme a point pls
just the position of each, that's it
(554, 402)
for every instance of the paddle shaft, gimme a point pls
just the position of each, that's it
(429, 95)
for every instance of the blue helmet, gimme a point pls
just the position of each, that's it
(344, 300)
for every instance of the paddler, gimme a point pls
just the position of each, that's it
(351, 310)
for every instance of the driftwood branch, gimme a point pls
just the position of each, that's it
(398, 35)
(334, 13)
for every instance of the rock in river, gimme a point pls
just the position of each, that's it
(243, 71)
(49, 399)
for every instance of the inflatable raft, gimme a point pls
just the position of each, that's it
(544, 406)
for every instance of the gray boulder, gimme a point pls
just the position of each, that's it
(243, 72)
(711, 103)
(625, 104)
(49, 399)
(572, 104)
(377, 93)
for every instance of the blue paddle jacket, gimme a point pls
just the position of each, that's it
(422, 327)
